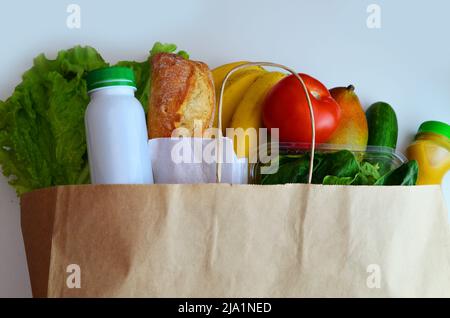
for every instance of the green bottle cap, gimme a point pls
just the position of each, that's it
(436, 127)
(110, 76)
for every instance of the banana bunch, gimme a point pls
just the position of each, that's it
(243, 97)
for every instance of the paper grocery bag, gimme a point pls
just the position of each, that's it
(219, 240)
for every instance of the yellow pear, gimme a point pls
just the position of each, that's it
(352, 128)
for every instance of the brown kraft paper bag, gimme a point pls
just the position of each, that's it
(219, 240)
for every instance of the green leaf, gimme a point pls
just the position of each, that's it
(159, 47)
(333, 180)
(406, 174)
(368, 174)
(183, 54)
(370, 170)
(290, 170)
(142, 78)
(340, 164)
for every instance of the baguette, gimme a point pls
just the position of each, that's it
(182, 92)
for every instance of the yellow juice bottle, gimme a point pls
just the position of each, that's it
(431, 149)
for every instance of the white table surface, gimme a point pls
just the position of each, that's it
(406, 62)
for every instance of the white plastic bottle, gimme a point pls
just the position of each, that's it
(116, 129)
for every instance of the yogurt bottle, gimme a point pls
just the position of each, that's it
(116, 130)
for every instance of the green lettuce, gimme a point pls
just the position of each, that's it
(339, 168)
(42, 134)
(42, 141)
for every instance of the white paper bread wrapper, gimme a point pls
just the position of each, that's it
(193, 160)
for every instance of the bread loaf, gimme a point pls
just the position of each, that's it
(182, 92)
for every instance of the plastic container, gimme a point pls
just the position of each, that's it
(116, 130)
(431, 149)
(387, 158)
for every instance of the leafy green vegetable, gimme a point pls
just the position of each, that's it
(370, 170)
(338, 168)
(42, 134)
(159, 47)
(142, 78)
(339, 164)
(42, 139)
(406, 174)
(383, 160)
(330, 180)
(291, 170)
(367, 175)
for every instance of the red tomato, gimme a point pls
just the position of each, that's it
(285, 107)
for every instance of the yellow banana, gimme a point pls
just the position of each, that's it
(248, 113)
(220, 72)
(234, 92)
(236, 86)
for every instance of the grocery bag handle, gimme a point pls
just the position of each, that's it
(220, 135)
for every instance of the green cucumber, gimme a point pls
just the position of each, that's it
(382, 124)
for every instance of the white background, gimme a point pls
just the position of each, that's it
(406, 62)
